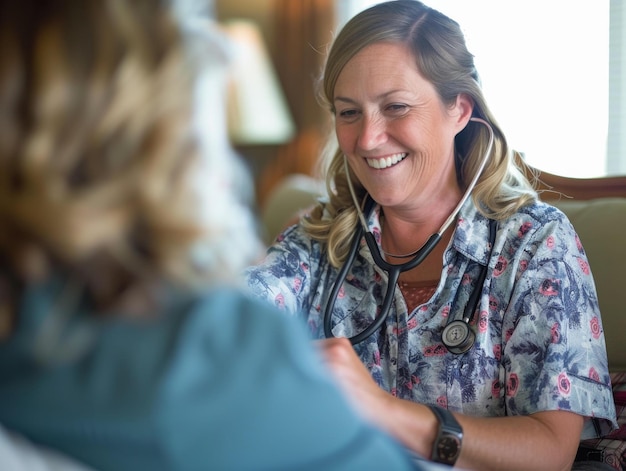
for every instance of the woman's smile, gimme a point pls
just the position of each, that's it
(381, 163)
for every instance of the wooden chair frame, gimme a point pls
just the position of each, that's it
(558, 187)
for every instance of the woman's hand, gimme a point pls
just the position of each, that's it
(411, 423)
(544, 440)
(354, 378)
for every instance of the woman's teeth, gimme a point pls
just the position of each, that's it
(386, 161)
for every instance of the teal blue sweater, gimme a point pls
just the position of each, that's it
(217, 382)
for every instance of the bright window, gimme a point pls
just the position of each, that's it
(544, 67)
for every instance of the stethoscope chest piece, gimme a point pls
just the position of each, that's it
(457, 337)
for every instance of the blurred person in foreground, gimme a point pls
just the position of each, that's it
(457, 309)
(126, 343)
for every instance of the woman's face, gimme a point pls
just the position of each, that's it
(396, 133)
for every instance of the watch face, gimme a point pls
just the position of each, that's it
(448, 448)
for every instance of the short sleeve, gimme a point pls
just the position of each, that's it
(285, 276)
(554, 348)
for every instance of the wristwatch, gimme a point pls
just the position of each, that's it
(447, 446)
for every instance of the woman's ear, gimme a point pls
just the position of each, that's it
(462, 110)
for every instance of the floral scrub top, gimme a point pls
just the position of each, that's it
(539, 339)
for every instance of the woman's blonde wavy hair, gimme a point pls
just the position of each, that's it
(441, 55)
(99, 149)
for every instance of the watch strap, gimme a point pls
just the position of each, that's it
(447, 446)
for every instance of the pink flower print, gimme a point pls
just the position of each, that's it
(279, 301)
(549, 287)
(497, 353)
(377, 277)
(483, 320)
(409, 385)
(394, 392)
(550, 242)
(555, 333)
(341, 293)
(415, 379)
(304, 267)
(493, 303)
(593, 374)
(442, 401)
(377, 358)
(500, 266)
(584, 266)
(496, 388)
(297, 284)
(524, 228)
(376, 232)
(579, 244)
(411, 323)
(508, 334)
(466, 279)
(435, 350)
(523, 265)
(595, 327)
(440, 350)
(512, 385)
(564, 384)
(445, 311)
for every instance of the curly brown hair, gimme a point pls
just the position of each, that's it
(96, 146)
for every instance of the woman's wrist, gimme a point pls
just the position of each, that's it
(412, 424)
(447, 445)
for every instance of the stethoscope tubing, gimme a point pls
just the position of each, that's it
(394, 270)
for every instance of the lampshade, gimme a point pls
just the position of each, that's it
(257, 109)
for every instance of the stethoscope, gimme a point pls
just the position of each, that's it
(457, 336)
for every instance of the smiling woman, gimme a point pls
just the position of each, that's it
(496, 383)
(531, 56)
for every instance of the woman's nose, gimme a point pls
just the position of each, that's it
(372, 133)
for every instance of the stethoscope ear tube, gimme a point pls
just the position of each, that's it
(393, 274)
(384, 310)
(418, 258)
(394, 270)
(354, 247)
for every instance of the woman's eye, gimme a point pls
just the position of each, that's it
(397, 108)
(347, 113)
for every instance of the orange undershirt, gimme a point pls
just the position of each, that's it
(417, 293)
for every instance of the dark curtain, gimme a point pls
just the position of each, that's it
(303, 33)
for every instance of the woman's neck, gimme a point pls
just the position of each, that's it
(401, 237)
